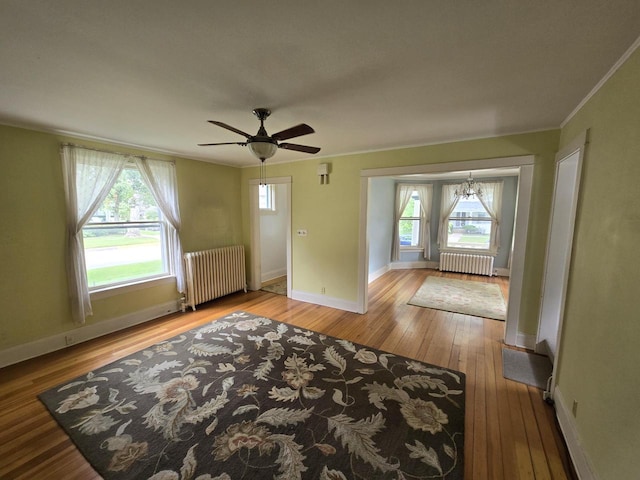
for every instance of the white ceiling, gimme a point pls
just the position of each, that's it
(365, 74)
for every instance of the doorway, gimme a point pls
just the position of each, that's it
(524, 164)
(270, 225)
(559, 246)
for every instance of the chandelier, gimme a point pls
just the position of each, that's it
(469, 188)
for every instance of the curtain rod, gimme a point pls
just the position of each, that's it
(142, 157)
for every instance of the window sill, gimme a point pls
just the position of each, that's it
(107, 292)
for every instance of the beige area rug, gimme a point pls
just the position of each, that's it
(461, 296)
(279, 288)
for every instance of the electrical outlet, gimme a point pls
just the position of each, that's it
(302, 232)
(323, 290)
(69, 340)
(574, 408)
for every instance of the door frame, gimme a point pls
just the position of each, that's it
(255, 267)
(575, 146)
(525, 164)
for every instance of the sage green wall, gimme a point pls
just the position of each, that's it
(599, 351)
(328, 256)
(33, 285)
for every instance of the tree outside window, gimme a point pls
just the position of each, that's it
(410, 223)
(125, 240)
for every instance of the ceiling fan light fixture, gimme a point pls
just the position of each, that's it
(263, 149)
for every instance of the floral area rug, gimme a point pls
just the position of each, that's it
(247, 397)
(461, 296)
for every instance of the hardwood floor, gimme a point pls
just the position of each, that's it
(510, 433)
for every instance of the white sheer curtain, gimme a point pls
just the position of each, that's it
(491, 199)
(88, 177)
(425, 192)
(403, 195)
(160, 176)
(448, 204)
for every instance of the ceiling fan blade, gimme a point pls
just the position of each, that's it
(224, 143)
(299, 148)
(229, 127)
(297, 131)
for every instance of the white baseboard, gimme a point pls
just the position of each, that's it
(526, 341)
(325, 301)
(499, 272)
(502, 272)
(50, 344)
(270, 275)
(416, 264)
(581, 461)
(378, 273)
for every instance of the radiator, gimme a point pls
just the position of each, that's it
(214, 273)
(466, 263)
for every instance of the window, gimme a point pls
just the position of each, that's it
(411, 219)
(472, 223)
(469, 226)
(410, 223)
(266, 197)
(126, 239)
(110, 205)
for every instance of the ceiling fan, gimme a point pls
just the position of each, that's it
(263, 145)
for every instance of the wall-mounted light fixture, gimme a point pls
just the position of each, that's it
(323, 173)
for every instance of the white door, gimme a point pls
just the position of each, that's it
(563, 212)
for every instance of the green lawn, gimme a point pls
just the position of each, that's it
(473, 239)
(121, 273)
(119, 240)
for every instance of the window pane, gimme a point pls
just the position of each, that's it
(413, 207)
(121, 253)
(469, 234)
(129, 200)
(409, 233)
(266, 197)
(119, 245)
(471, 207)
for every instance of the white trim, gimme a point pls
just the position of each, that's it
(582, 464)
(378, 273)
(502, 272)
(255, 268)
(325, 301)
(625, 56)
(414, 264)
(501, 162)
(363, 249)
(131, 287)
(526, 341)
(86, 332)
(523, 204)
(270, 275)
(576, 146)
